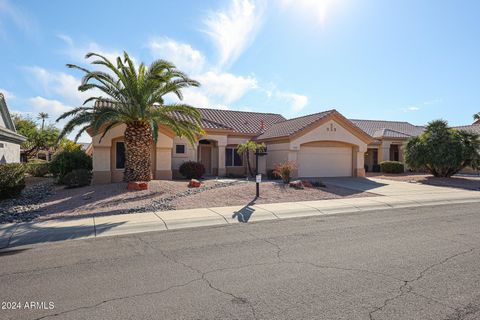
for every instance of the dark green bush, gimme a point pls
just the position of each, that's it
(392, 167)
(66, 161)
(443, 151)
(192, 170)
(78, 178)
(38, 167)
(12, 180)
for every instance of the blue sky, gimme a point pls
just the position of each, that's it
(370, 59)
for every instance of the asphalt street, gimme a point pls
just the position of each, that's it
(412, 263)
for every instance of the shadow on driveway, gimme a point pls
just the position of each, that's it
(357, 184)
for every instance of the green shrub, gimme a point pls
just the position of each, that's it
(443, 151)
(12, 180)
(392, 167)
(66, 161)
(192, 170)
(78, 178)
(38, 167)
(284, 170)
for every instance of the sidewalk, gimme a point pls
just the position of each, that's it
(391, 195)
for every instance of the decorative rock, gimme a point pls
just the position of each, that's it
(27, 206)
(297, 184)
(194, 183)
(137, 185)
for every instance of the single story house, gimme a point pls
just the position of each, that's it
(324, 144)
(10, 140)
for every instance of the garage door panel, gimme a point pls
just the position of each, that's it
(325, 162)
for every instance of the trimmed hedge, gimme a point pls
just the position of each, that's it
(392, 167)
(78, 178)
(192, 170)
(38, 168)
(12, 180)
(66, 161)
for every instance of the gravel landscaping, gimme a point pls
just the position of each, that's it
(458, 181)
(44, 200)
(27, 207)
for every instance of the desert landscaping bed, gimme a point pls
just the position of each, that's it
(459, 181)
(110, 199)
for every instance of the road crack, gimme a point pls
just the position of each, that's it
(407, 287)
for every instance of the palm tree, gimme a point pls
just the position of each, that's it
(134, 97)
(43, 116)
(476, 117)
(246, 148)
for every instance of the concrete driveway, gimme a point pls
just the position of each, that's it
(393, 188)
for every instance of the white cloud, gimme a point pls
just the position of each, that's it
(297, 101)
(182, 55)
(58, 83)
(233, 29)
(195, 97)
(226, 87)
(54, 108)
(425, 104)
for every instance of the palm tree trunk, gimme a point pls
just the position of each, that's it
(138, 146)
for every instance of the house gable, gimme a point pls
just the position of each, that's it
(333, 128)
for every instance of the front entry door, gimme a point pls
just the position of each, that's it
(206, 158)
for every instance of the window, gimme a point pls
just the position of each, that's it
(232, 158)
(180, 148)
(2, 145)
(120, 155)
(375, 157)
(394, 152)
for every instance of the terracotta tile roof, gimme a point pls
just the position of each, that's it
(236, 121)
(292, 126)
(241, 121)
(474, 128)
(392, 129)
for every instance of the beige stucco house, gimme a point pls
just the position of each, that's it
(324, 144)
(10, 140)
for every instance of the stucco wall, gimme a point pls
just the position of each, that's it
(103, 156)
(10, 153)
(276, 153)
(330, 134)
(189, 155)
(329, 131)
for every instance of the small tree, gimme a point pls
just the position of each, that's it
(284, 170)
(44, 138)
(443, 151)
(476, 116)
(246, 148)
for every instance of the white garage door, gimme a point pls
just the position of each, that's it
(325, 162)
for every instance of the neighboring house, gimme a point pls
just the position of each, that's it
(10, 140)
(389, 137)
